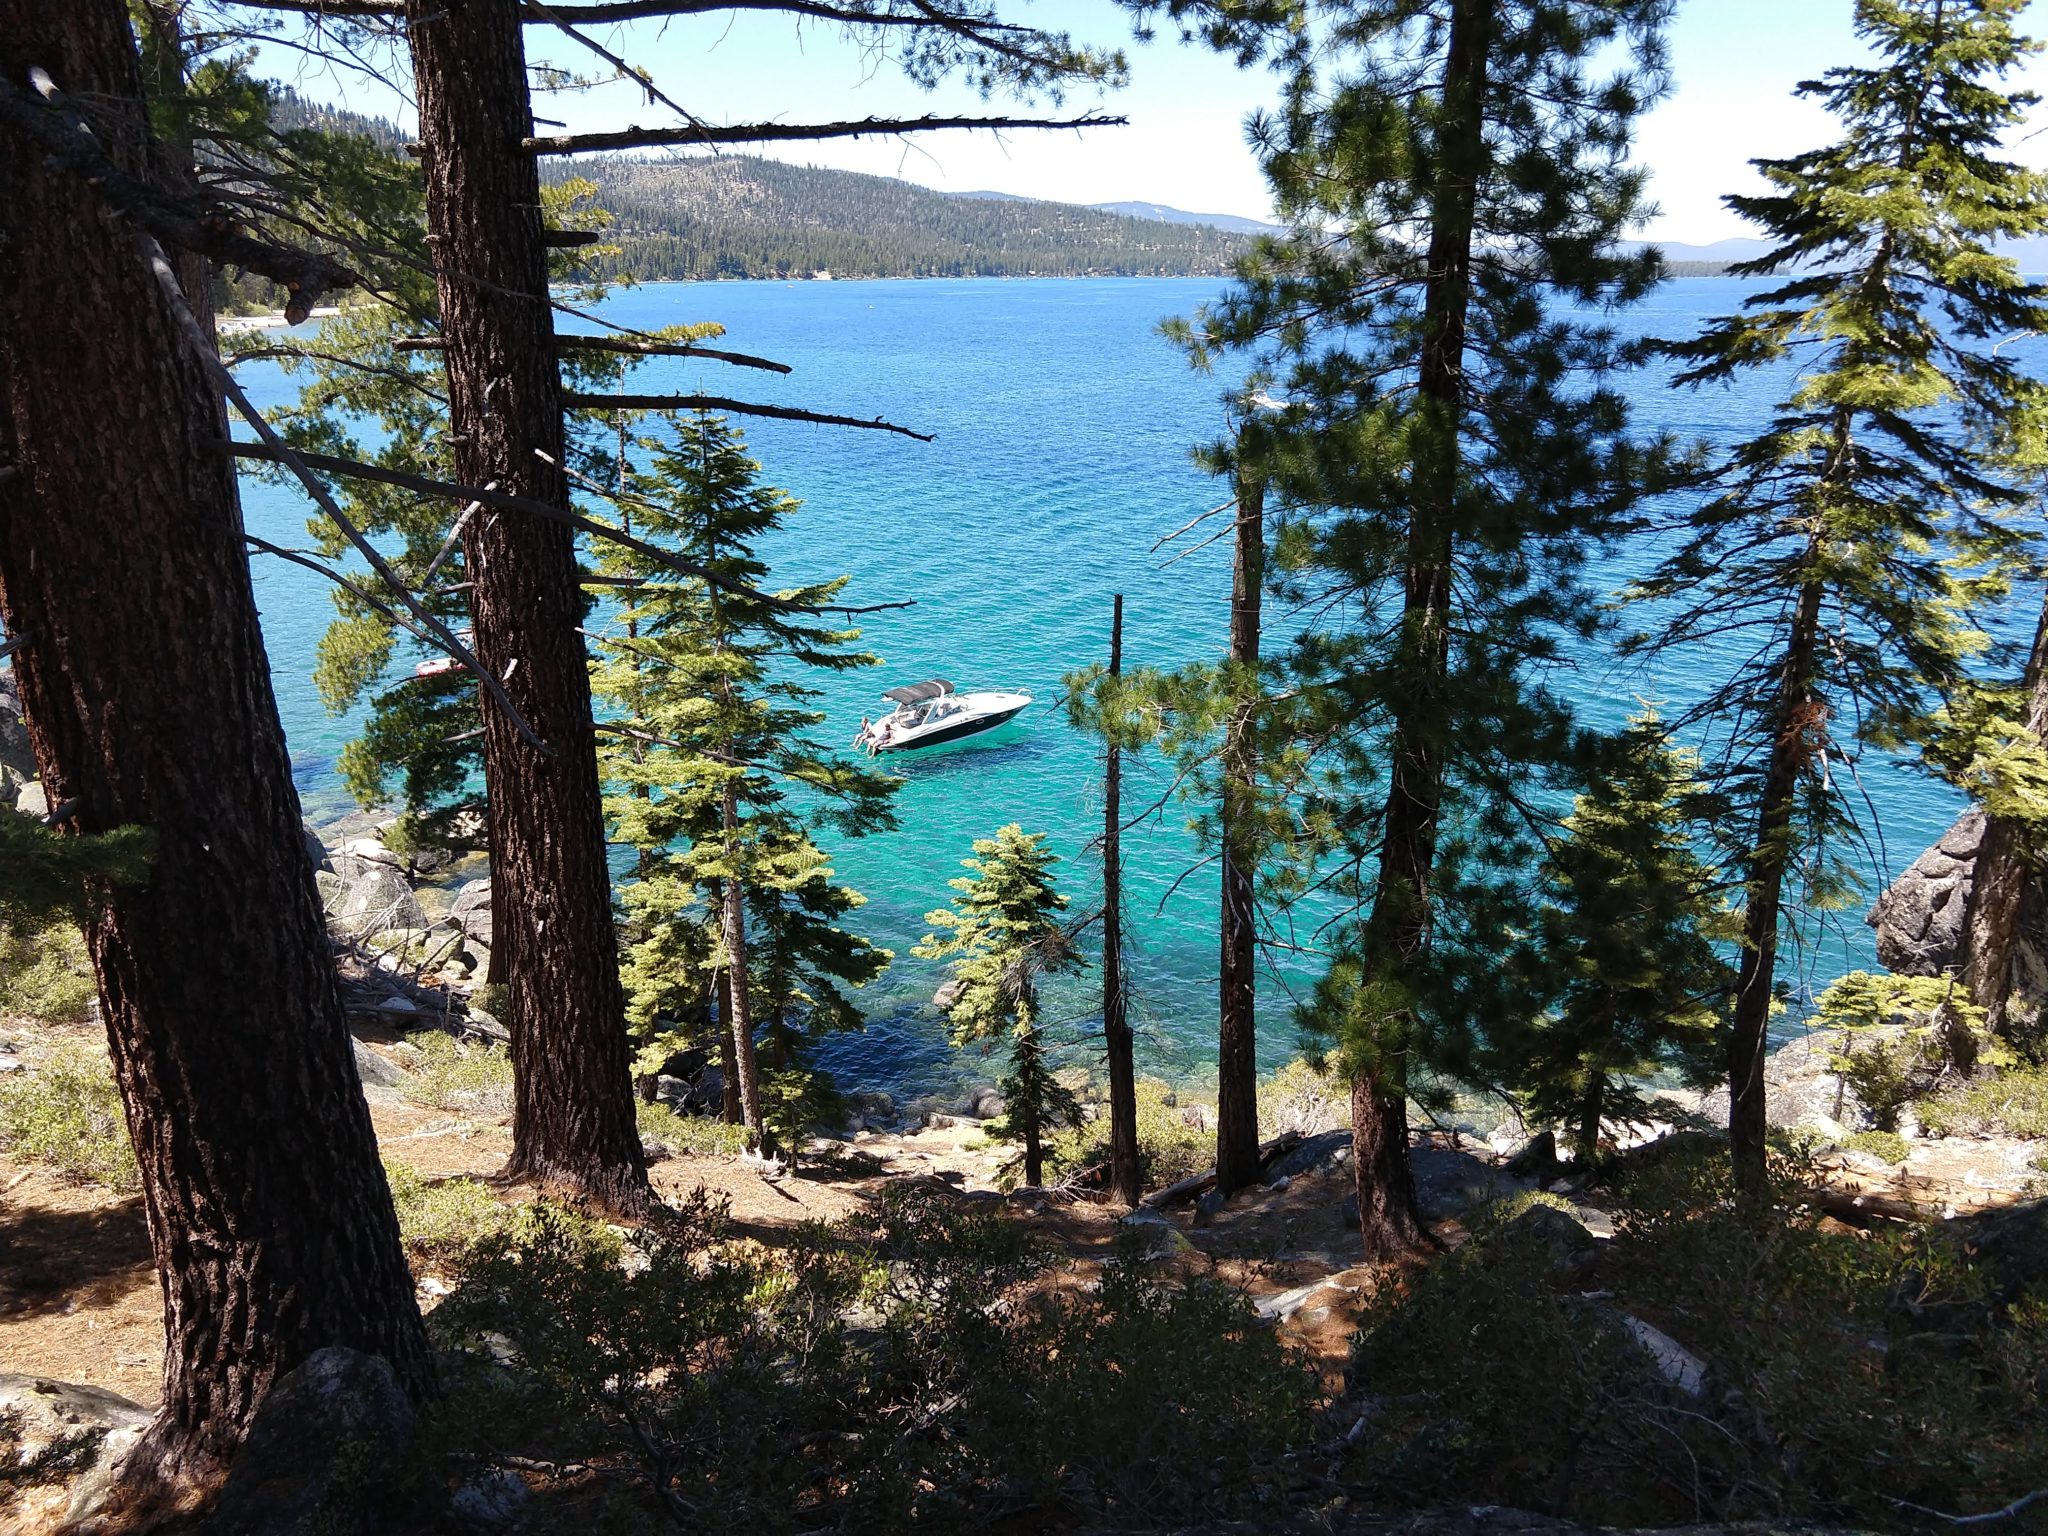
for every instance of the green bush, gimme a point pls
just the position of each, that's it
(899, 1371)
(2012, 1103)
(455, 1075)
(46, 975)
(1888, 1146)
(700, 1134)
(1301, 1097)
(441, 1219)
(1886, 1076)
(66, 1112)
(1168, 1147)
(1846, 1376)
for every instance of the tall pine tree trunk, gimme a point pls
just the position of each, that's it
(1793, 728)
(1591, 1104)
(1999, 882)
(1397, 931)
(1237, 1060)
(728, 1061)
(739, 1024)
(147, 696)
(1126, 1177)
(573, 1120)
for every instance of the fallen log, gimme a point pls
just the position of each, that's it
(1195, 1184)
(1864, 1209)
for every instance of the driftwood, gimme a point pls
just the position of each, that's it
(1188, 1188)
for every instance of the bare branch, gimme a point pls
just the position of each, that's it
(628, 345)
(736, 407)
(283, 453)
(448, 546)
(2011, 1511)
(767, 133)
(534, 8)
(327, 464)
(191, 223)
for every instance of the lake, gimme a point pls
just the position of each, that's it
(1063, 430)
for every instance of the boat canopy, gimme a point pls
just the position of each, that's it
(918, 693)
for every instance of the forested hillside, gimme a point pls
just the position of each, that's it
(736, 216)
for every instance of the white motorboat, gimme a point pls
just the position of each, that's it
(930, 714)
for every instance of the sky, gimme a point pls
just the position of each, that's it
(1735, 64)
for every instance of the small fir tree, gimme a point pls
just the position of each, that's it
(1004, 935)
(731, 904)
(1619, 960)
(1835, 549)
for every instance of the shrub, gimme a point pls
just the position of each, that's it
(1886, 1076)
(1847, 1377)
(2013, 1103)
(1888, 1146)
(46, 975)
(454, 1075)
(1168, 1147)
(67, 1113)
(1303, 1097)
(441, 1219)
(700, 1134)
(895, 1372)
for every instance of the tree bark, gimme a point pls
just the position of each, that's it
(147, 697)
(739, 1023)
(1388, 1217)
(1590, 1105)
(573, 1121)
(1397, 931)
(729, 1109)
(1126, 1176)
(1237, 1056)
(1792, 728)
(1998, 883)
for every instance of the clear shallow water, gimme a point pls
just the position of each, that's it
(1063, 427)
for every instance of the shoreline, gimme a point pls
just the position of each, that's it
(273, 320)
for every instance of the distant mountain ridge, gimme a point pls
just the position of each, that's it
(1235, 224)
(740, 216)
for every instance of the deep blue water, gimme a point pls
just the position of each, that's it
(1063, 427)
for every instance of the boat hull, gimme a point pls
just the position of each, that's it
(958, 730)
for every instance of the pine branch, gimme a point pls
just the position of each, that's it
(765, 133)
(190, 223)
(623, 344)
(735, 407)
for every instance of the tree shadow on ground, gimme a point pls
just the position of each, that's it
(51, 1258)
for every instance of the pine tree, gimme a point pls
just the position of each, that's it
(1003, 936)
(709, 761)
(1453, 174)
(147, 697)
(1827, 550)
(1615, 975)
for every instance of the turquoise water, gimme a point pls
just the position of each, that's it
(1063, 426)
